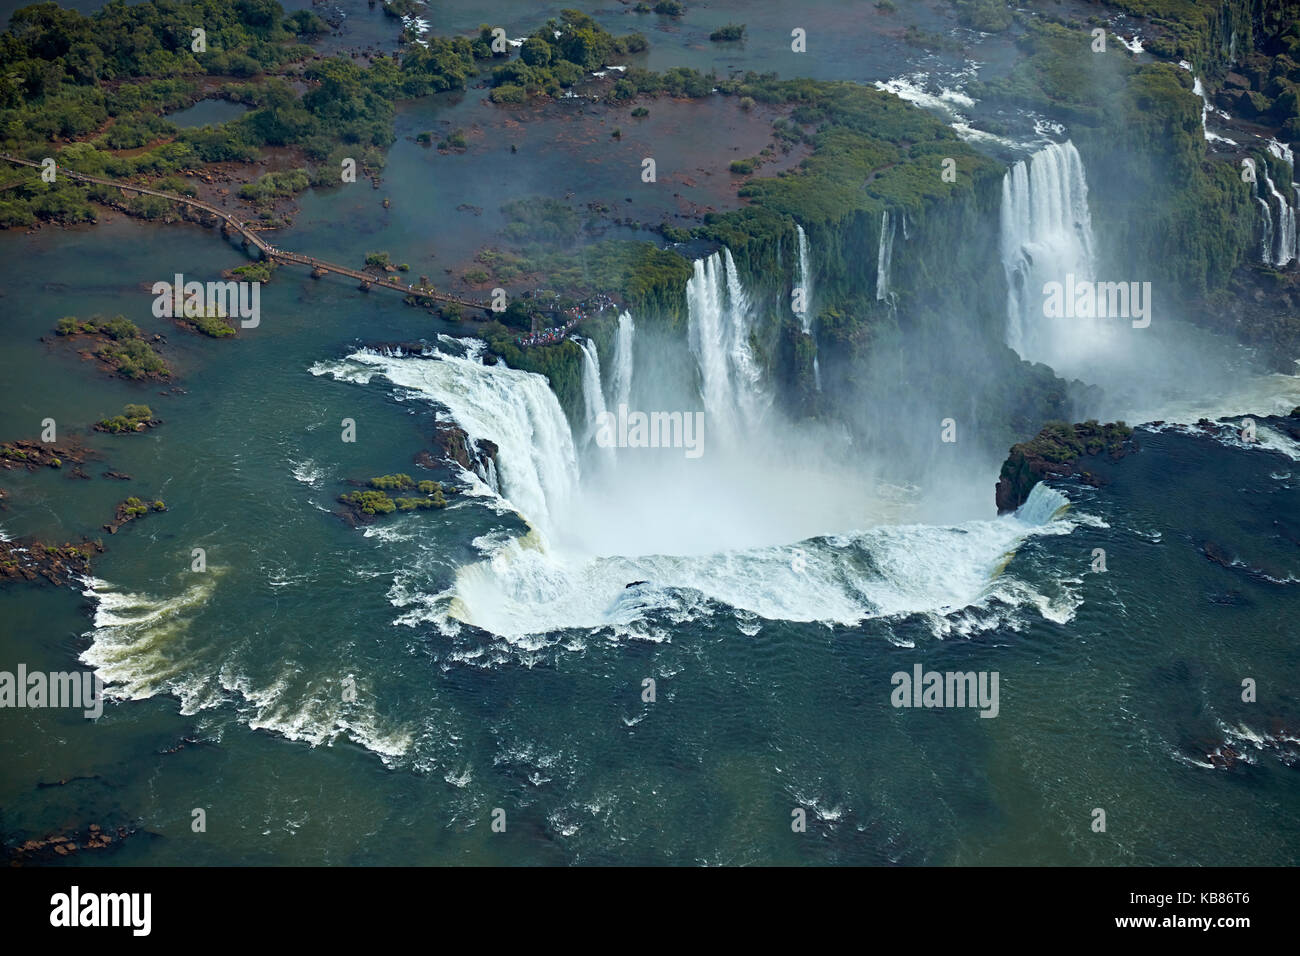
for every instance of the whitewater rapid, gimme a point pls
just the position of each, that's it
(771, 523)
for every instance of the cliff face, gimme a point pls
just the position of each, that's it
(1213, 34)
(1165, 208)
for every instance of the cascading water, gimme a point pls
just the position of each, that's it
(730, 379)
(1046, 236)
(1280, 238)
(806, 286)
(537, 463)
(1284, 234)
(1266, 240)
(621, 383)
(655, 534)
(805, 281)
(1198, 88)
(593, 397)
(884, 255)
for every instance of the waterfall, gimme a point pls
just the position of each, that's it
(537, 464)
(1199, 90)
(1266, 241)
(592, 395)
(621, 384)
(806, 284)
(719, 326)
(885, 255)
(805, 281)
(1283, 152)
(1279, 240)
(1042, 505)
(1046, 235)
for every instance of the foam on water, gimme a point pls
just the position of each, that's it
(594, 565)
(140, 648)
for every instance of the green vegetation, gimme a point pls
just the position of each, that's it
(1161, 201)
(105, 81)
(255, 271)
(743, 166)
(454, 140)
(134, 508)
(560, 363)
(213, 326)
(132, 419)
(640, 111)
(1054, 451)
(1060, 441)
(403, 8)
(670, 8)
(377, 501)
(377, 260)
(398, 482)
(126, 352)
(987, 16)
(732, 31)
(540, 218)
(273, 186)
(82, 88)
(134, 358)
(549, 63)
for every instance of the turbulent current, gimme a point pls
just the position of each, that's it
(768, 521)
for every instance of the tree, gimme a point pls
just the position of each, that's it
(536, 52)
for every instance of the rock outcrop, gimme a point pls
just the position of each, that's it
(480, 457)
(1055, 453)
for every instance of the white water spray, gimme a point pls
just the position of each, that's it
(806, 285)
(730, 378)
(593, 397)
(805, 281)
(621, 384)
(1046, 236)
(884, 255)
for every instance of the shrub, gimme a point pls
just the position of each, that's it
(509, 94)
(732, 31)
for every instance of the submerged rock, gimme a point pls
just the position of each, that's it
(28, 559)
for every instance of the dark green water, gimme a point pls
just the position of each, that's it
(1100, 708)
